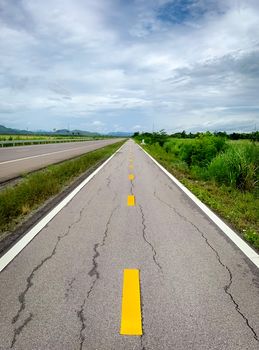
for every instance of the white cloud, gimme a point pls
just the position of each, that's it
(98, 123)
(119, 63)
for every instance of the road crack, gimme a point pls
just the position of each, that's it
(70, 287)
(228, 285)
(93, 273)
(171, 207)
(18, 330)
(142, 347)
(29, 280)
(144, 235)
(94, 270)
(82, 319)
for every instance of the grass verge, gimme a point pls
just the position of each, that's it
(239, 208)
(18, 201)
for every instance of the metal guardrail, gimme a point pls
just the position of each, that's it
(13, 143)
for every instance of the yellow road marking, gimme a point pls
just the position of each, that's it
(131, 323)
(131, 200)
(131, 166)
(131, 177)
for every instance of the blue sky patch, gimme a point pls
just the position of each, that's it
(181, 11)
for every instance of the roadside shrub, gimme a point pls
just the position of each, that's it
(237, 167)
(197, 152)
(173, 146)
(200, 173)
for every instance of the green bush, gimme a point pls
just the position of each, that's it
(210, 157)
(196, 152)
(173, 146)
(238, 166)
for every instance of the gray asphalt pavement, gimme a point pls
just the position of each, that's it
(63, 291)
(15, 161)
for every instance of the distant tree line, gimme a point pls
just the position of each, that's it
(161, 135)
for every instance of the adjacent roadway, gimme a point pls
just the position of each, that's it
(15, 161)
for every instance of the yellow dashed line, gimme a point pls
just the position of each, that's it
(131, 323)
(131, 200)
(131, 177)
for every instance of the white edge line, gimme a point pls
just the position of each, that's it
(239, 242)
(39, 155)
(25, 240)
(48, 154)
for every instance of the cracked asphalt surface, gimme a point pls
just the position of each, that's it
(63, 291)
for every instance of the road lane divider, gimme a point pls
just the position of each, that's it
(131, 166)
(131, 177)
(131, 200)
(25, 240)
(131, 320)
(250, 253)
(42, 155)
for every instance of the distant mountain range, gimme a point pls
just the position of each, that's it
(10, 131)
(74, 132)
(120, 134)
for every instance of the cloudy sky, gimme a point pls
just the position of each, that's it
(129, 65)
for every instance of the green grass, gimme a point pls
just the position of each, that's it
(238, 205)
(34, 189)
(20, 140)
(237, 167)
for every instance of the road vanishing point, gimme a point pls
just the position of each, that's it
(129, 261)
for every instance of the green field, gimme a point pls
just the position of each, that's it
(47, 137)
(31, 137)
(224, 174)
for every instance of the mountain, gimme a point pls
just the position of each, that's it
(10, 131)
(120, 134)
(75, 132)
(84, 133)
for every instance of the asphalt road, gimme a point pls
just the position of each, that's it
(64, 290)
(15, 161)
